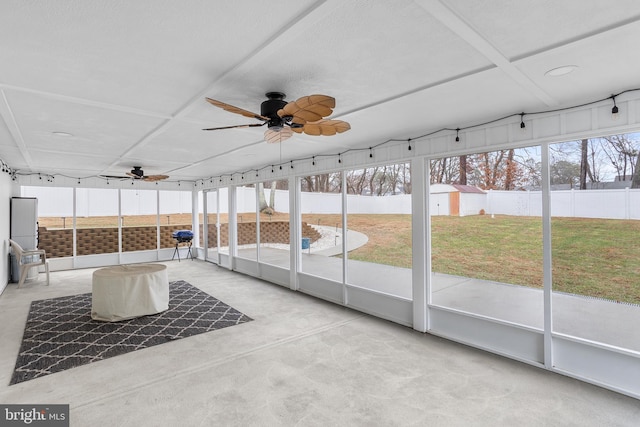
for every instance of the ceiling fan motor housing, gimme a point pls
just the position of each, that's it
(137, 171)
(270, 107)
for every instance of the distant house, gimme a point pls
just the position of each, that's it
(456, 200)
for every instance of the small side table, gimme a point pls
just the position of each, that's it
(126, 291)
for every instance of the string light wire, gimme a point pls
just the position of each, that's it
(614, 111)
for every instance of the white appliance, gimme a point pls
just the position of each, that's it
(24, 230)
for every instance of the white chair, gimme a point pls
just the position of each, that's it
(29, 259)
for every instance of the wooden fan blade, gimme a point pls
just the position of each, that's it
(272, 136)
(133, 175)
(309, 108)
(252, 125)
(114, 177)
(323, 127)
(155, 177)
(233, 109)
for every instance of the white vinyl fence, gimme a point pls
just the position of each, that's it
(612, 204)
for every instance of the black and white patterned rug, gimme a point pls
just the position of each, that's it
(60, 333)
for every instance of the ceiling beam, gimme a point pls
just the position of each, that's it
(7, 115)
(85, 102)
(462, 29)
(269, 48)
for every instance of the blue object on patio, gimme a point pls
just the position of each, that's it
(306, 242)
(182, 235)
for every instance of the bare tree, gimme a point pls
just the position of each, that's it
(356, 181)
(375, 179)
(593, 172)
(584, 163)
(463, 170)
(262, 200)
(490, 169)
(501, 170)
(393, 178)
(511, 171)
(272, 196)
(269, 208)
(406, 178)
(445, 170)
(622, 153)
(635, 182)
(322, 183)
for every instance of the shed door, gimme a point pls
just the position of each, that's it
(454, 203)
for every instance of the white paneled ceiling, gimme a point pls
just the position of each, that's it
(127, 79)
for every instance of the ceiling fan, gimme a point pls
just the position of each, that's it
(307, 114)
(138, 173)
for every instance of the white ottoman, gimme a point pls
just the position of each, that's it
(127, 291)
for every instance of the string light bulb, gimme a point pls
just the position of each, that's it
(313, 160)
(457, 134)
(522, 125)
(614, 110)
(409, 141)
(370, 153)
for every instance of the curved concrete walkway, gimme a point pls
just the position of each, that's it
(355, 240)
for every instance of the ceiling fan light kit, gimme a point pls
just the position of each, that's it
(305, 115)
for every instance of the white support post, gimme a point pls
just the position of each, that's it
(205, 224)
(345, 251)
(257, 197)
(218, 237)
(295, 233)
(546, 257)
(233, 227)
(195, 209)
(120, 219)
(157, 223)
(420, 232)
(74, 233)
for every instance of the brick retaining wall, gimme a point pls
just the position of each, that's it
(59, 242)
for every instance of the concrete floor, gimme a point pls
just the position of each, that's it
(302, 361)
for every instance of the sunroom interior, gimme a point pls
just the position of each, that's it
(362, 219)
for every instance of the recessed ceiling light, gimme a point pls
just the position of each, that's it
(561, 71)
(65, 134)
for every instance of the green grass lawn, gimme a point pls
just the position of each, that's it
(594, 257)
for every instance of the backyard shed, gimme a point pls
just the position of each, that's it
(456, 200)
